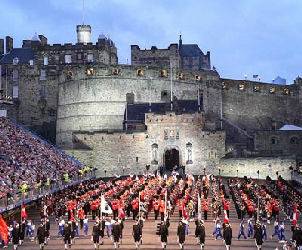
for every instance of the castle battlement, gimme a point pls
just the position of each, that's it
(173, 118)
(248, 86)
(146, 73)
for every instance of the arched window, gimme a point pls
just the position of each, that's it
(130, 98)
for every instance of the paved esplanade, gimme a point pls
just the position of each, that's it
(151, 240)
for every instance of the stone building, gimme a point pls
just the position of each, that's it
(169, 140)
(183, 56)
(118, 117)
(30, 75)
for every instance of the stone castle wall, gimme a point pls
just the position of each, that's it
(155, 56)
(249, 167)
(98, 102)
(254, 105)
(125, 153)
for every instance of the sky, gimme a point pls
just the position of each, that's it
(245, 37)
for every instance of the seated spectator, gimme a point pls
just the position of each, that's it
(27, 161)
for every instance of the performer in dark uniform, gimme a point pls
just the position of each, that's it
(181, 233)
(164, 232)
(16, 236)
(102, 231)
(258, 235)
(200, 233)
(96, 233)
(137, 234)
(227, 235)
(41, 235)
(47, 228)
(116, 233)
(73, 231)
(22, 231)
(67, 235)
(297, 237)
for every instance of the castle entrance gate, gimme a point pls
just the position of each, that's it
(171, 158)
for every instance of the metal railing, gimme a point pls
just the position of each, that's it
(16, 199)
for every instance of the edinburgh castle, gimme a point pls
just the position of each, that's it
(168, 108)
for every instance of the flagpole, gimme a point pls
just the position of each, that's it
(126, 120)
(258, 199)
(198, 207)
(171, 83)
(139, 204)
(198, 93)
(101, 206)
(166, 203)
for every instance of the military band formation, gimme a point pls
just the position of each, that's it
(106, 206)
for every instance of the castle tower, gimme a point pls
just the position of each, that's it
(84, 33)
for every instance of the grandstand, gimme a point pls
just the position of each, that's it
(28, 164)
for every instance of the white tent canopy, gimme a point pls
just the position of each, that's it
(289, 127)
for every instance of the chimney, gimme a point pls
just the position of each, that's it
(9, 44)
(1, 47)
(43, 40)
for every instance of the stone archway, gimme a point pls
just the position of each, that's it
(171, 158)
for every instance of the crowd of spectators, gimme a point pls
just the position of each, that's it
(27, 162)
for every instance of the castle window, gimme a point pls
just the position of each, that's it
(43, 91)
(272, 90)
(67, 59)
(31, 62)
(241, 86)
(274, 141)
(15, 91)
(52, 112)
(136, 159)
(15, 75)
(90, 58)
(197, 78)
(15, 61)
(224, 85)
(3, 112)
(294, 141)
(165, 96)
(130, 98)
(45, 60)
(43, 74)
(256, 88)
(79, 56)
